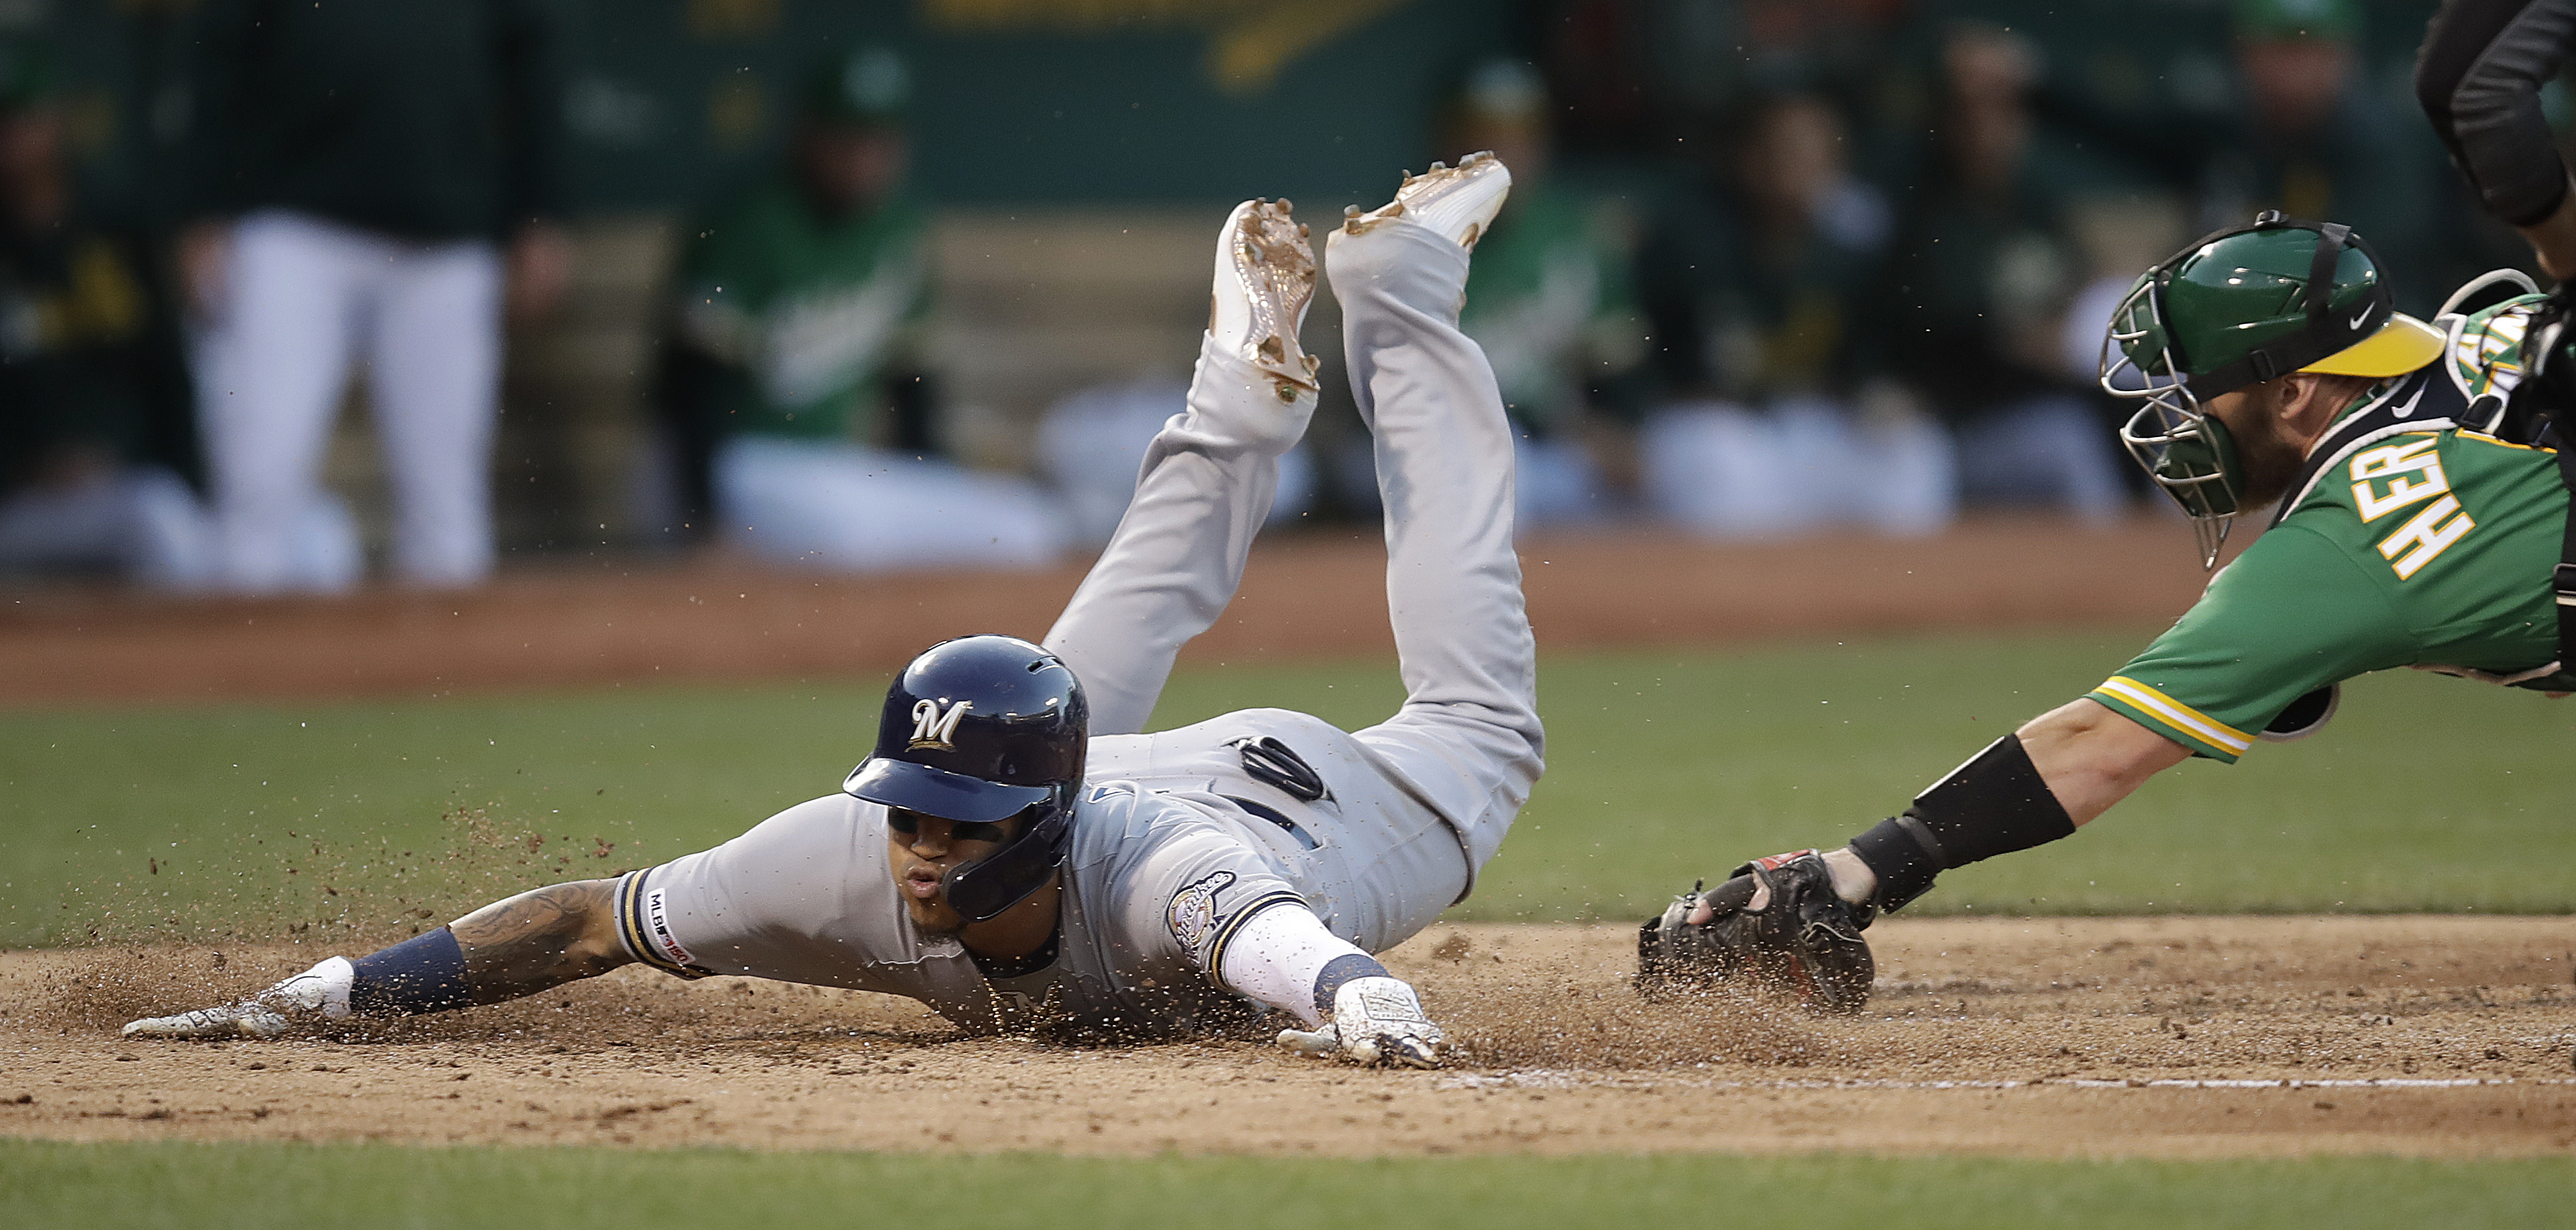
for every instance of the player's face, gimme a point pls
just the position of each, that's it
(850, 168)
(2268, 456)
(2295, 83)
(31, 142)
(924, 850)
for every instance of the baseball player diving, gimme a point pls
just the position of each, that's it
(1016, 854)
(2422, 520)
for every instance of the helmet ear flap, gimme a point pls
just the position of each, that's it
(988, 887)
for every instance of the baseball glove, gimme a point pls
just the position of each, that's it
(1804, 942)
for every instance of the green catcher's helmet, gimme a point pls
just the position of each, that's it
(2237, 308)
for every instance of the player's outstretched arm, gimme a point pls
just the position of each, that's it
(516, 946)
(1284, 956)
(1794, 920)
(543, 938)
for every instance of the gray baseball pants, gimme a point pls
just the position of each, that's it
(1420, 801)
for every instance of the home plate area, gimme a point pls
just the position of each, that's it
(2047, 1037)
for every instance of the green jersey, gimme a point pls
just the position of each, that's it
(804, 310)
(1550, 304)
(2419, 539)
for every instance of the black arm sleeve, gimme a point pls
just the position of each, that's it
(2479, 76)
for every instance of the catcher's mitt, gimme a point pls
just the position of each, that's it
(1804, 941)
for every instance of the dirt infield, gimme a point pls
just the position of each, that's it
(2165, 1037)
(566, 622)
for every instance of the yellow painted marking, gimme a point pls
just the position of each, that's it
(1248, 43)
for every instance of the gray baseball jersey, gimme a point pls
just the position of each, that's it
(1175, 842)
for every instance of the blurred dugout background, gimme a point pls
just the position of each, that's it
(1079, 152)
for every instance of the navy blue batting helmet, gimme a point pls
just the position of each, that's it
(984, 728)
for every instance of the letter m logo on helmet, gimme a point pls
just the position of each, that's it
(934, 729)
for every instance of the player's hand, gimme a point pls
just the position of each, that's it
(305, 1002)
(1375, 1020)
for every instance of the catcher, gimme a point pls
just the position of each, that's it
(997, 862)
(2423, 520)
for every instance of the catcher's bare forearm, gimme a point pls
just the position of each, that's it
(2092, 757)
(541, 938)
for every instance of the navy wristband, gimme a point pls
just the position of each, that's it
(1346, 968)
(425, 973)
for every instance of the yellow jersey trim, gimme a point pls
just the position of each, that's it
(1226, 931)
(2483, 438)
(634, 931)
(2198, 725)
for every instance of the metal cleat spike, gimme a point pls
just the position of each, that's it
(1439, 166)
(1350, 211)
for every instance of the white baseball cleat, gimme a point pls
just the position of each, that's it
(1457, 202)
(309, 999)
(1265, 279)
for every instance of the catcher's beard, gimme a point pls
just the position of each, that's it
(2268, 457)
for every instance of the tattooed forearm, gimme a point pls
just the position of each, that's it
(540, 939)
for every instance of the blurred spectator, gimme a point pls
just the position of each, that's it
(360, 161)
(2311, 135)
(793, 387)
(1630, 72)
(2324, 142)
(1978, 292)
(1092, 445)
(93, 396)
(1549, 298)
(1779, 420)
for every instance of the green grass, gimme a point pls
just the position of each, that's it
(280, 1187)
(2425, 793)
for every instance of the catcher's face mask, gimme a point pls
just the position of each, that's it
(2172, 437)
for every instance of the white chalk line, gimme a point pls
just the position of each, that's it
(1549, 1078)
